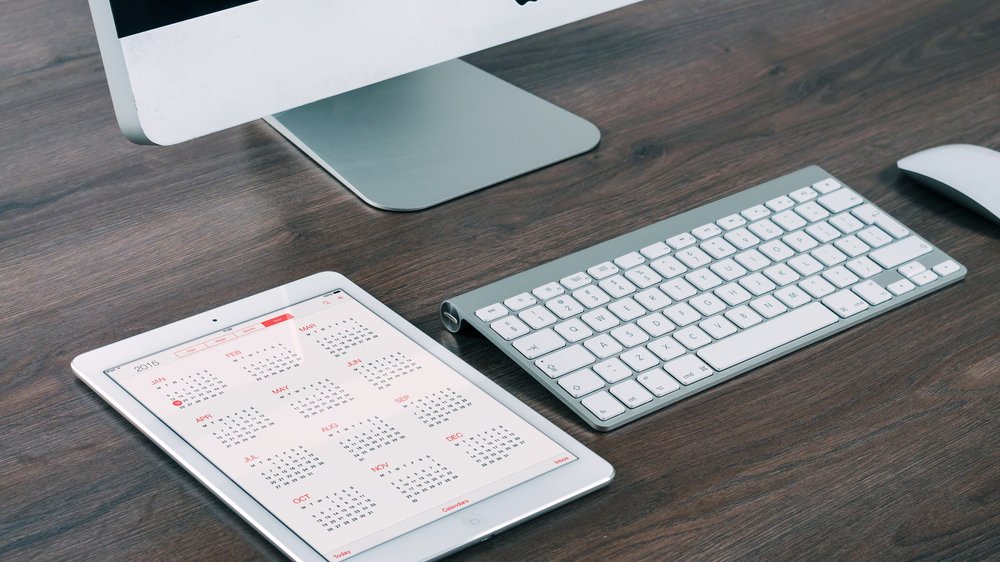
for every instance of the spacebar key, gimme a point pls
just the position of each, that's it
(767, 336)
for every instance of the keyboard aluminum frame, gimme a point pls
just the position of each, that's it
(459, 312)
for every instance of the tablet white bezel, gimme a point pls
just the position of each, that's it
(433, 540)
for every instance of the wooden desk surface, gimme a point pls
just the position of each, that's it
(882, 442)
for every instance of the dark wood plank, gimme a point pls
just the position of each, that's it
(881, 442)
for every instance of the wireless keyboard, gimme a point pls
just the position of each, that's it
(634, 324)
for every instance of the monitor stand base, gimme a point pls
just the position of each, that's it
(426, 137)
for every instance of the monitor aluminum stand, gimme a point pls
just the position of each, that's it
(426, 137)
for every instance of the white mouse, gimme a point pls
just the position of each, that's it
(965, 173)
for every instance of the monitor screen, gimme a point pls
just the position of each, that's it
(136, 16)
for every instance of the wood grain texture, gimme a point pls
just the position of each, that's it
(882, 442)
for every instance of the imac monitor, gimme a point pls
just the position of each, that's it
(370, 89)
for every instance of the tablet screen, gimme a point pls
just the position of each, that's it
(340, 425)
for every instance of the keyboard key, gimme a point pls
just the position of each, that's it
(744, 316)
(828, 255)
(823, 232)
(803, 195)
(840, 276)
(779, 204)
(706, 231)
(548, 290)
(591, 296)
(655, 324)
(852, 246)
(629, 335)
(717, 327)
(682, 314)
(707, 304)
(733, 294)
(800, 241)
(731, 221)
(575, 281)
(626, 309)
(827, 185)
(817, 286)
(603, 405)
(629, 260)
(652, 299)
(768, 306)
(756, 212)
(901, 287)
(631, 394)
(900, 252)
(782, 274)
(656, 250)
(658, 382)
(789, 220)
(538, 317)
(600, 319)
(692, 337)
(518, 302)
(875, 237)
(693, 257)
(613, 370)
(912, 268)
(718, 248)
(688, 369)
(811, 211)
(805, 264)
(682, 240)
(643, 276)
(757, 284)
(868, 214)
(564, 306)
(792, 297)
(742, 238)
(924, 277)
(728, 269)
(766, 230)
(703, 278)
(510, 327)
(602, 270)
(573, 330)
(603, 346)
(863, 267)
(668, 266)
(491, 312)
(776, 250)
(871, 292)
(753, 260)
(767, 336)
(666, 348)
(538, 343)
(617, 286)
(890, 225)
(640, 359)
(678, 289)
(845, 303)
(564, 361)
(946, 268)
(840, 200)
(846, 223)
(581, 382)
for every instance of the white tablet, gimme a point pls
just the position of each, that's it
(337, 429)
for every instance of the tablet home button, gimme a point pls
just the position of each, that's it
(474, 520)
